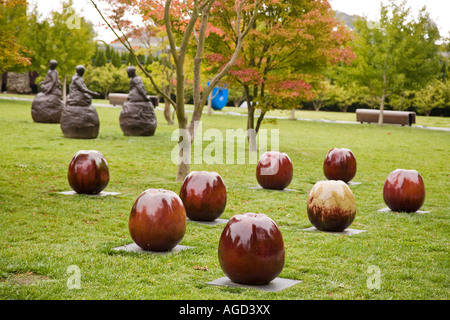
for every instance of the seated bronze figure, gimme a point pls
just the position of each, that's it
(137, 117)
(48, 104)
(79, 119)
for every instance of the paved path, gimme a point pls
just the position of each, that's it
(324, 120)
(231, 113)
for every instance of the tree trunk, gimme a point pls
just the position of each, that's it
(259, 121)
(65, 89)
(292, 117)
(381, 116)
(183, 167)
(317, 104)
(250, 127)
(168, 115)
(209, 104)
(237, 102)
(250, 121)
(383, 98)
(192, 128)
(167, 112)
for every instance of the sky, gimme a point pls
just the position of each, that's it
(439, 11)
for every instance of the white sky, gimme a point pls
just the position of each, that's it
(83, 7)
(439, 11)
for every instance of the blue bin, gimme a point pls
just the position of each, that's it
(220, 98)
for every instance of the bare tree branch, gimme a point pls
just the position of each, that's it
(170, 36)
(241, 36)
(199, 54)
(128, 46)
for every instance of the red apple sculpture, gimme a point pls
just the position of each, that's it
(251, 249)
(88, 172)
(331, 205)
(340, 164)
(157, 220)
(274, 170)
(404, 190)
(204, 195)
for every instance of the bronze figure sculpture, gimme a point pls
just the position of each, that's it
(48, 104)
(137, 117)
(79, 119)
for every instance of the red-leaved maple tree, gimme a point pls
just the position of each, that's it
(288, 48)
(185, 22)
(11, 52)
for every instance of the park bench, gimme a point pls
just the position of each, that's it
(389, 116)
(117, 99)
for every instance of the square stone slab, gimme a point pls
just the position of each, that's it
(133, 247)
(209, 223)
(284, 190)
(389, 210)
(275, 285)
(347, 232)
(101, 194)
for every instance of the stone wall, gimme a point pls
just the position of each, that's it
(18, 83)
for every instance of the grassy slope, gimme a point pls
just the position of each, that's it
(43, 232)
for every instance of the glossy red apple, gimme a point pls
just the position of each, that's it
(331, 205)
(251, 249)
(204, 195)
(157, 220)
(404, 190)
(340, 164)
(88, 172)
(274, 170)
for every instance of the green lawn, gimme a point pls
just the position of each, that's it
(43, 232)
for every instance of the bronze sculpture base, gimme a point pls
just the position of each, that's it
(138, 119)
(46, 108)
(80, 122)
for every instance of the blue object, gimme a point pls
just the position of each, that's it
(220, 98)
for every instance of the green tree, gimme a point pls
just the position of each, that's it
(149, 59)
(107, 79)
(236, 95)
(433, 95)
(100, 58)
(403, 100)
(65, 37)
(115, 60)
(445, 54)
(124, 57)
(130, 59)
(346, 95)
(109, 53)
(288, 48)
(395, 54)
(12, 23)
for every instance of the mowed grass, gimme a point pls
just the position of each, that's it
(43, 232)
